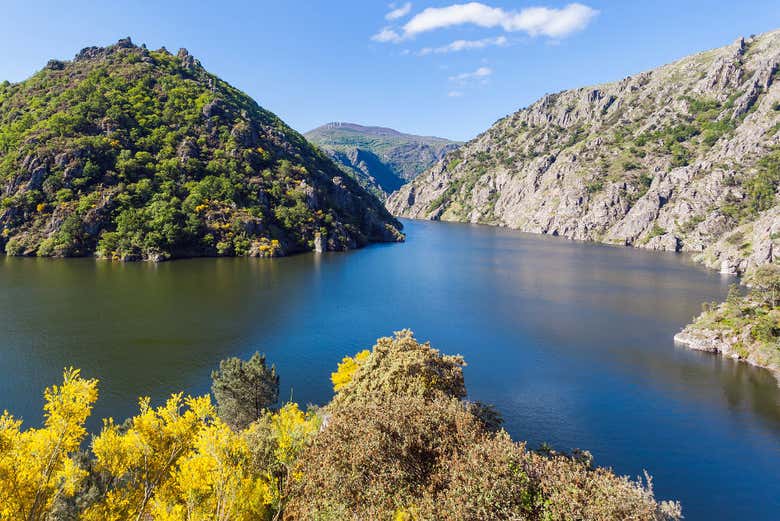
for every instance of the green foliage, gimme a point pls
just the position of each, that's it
(453, 164)
(163, 160)
(766, 328)
(244, 390)
(446, 196)
(766, 283)
(762, 188)
(757, 312)
(594, 186)
(579, 134)
(657, 231)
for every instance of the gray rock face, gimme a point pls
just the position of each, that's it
(668, 159)
(746, 247)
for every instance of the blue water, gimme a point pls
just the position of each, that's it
(571, 341)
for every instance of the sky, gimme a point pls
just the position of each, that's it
(438, 68)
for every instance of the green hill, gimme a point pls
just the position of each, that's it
(382, 160)
(134, 154)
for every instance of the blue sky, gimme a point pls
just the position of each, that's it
(428, 67)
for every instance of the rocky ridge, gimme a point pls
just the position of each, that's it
(668, 159)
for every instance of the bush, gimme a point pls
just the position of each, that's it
(401, 366)
(398, 442)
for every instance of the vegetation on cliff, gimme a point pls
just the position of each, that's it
(685, 157)
(138, 154)
(672, 159)
(380, 159)
(398, 442)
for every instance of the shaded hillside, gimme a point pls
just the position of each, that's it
(381, 159)
(136, 154)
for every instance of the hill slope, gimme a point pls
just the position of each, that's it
(684, 157)
(381, 159)
(138, 154)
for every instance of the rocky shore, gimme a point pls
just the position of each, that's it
(727, 344)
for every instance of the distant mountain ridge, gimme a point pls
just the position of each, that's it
(380, 159)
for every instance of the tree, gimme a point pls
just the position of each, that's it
(244, 390)
(766, 284)
(38, 465)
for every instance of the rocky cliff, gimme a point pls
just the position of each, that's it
(380, 159)
(137, 154)
(682, 158)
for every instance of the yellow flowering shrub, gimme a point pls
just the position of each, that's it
(214, 481)
(276, 441)
(141, 458)
(347, 368)
(37, 465)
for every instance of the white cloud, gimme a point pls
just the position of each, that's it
(399, 12)
(454, 94)
(465, 77)
(387, 35)
(546, 21)
(464, 45)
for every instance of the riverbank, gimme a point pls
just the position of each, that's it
(729, 344)
(745, 327)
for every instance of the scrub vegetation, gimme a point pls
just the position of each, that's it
(399, 441)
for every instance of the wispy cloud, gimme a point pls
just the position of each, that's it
(398, 12)
(387, 35)
(480, 75)
(464, 45)
(455, 94)
(534, 21)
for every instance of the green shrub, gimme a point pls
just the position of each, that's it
(594, 187)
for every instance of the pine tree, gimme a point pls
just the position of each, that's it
(244, 390)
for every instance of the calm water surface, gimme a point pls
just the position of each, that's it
(572, 342)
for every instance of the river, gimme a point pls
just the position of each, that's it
(571, 341)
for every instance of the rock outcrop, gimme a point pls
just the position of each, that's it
(737, 346)
(669, 159)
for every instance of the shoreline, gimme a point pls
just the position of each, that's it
(716, 342)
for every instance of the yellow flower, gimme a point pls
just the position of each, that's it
(347, 368)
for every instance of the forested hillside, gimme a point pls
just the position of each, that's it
(130, 153)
